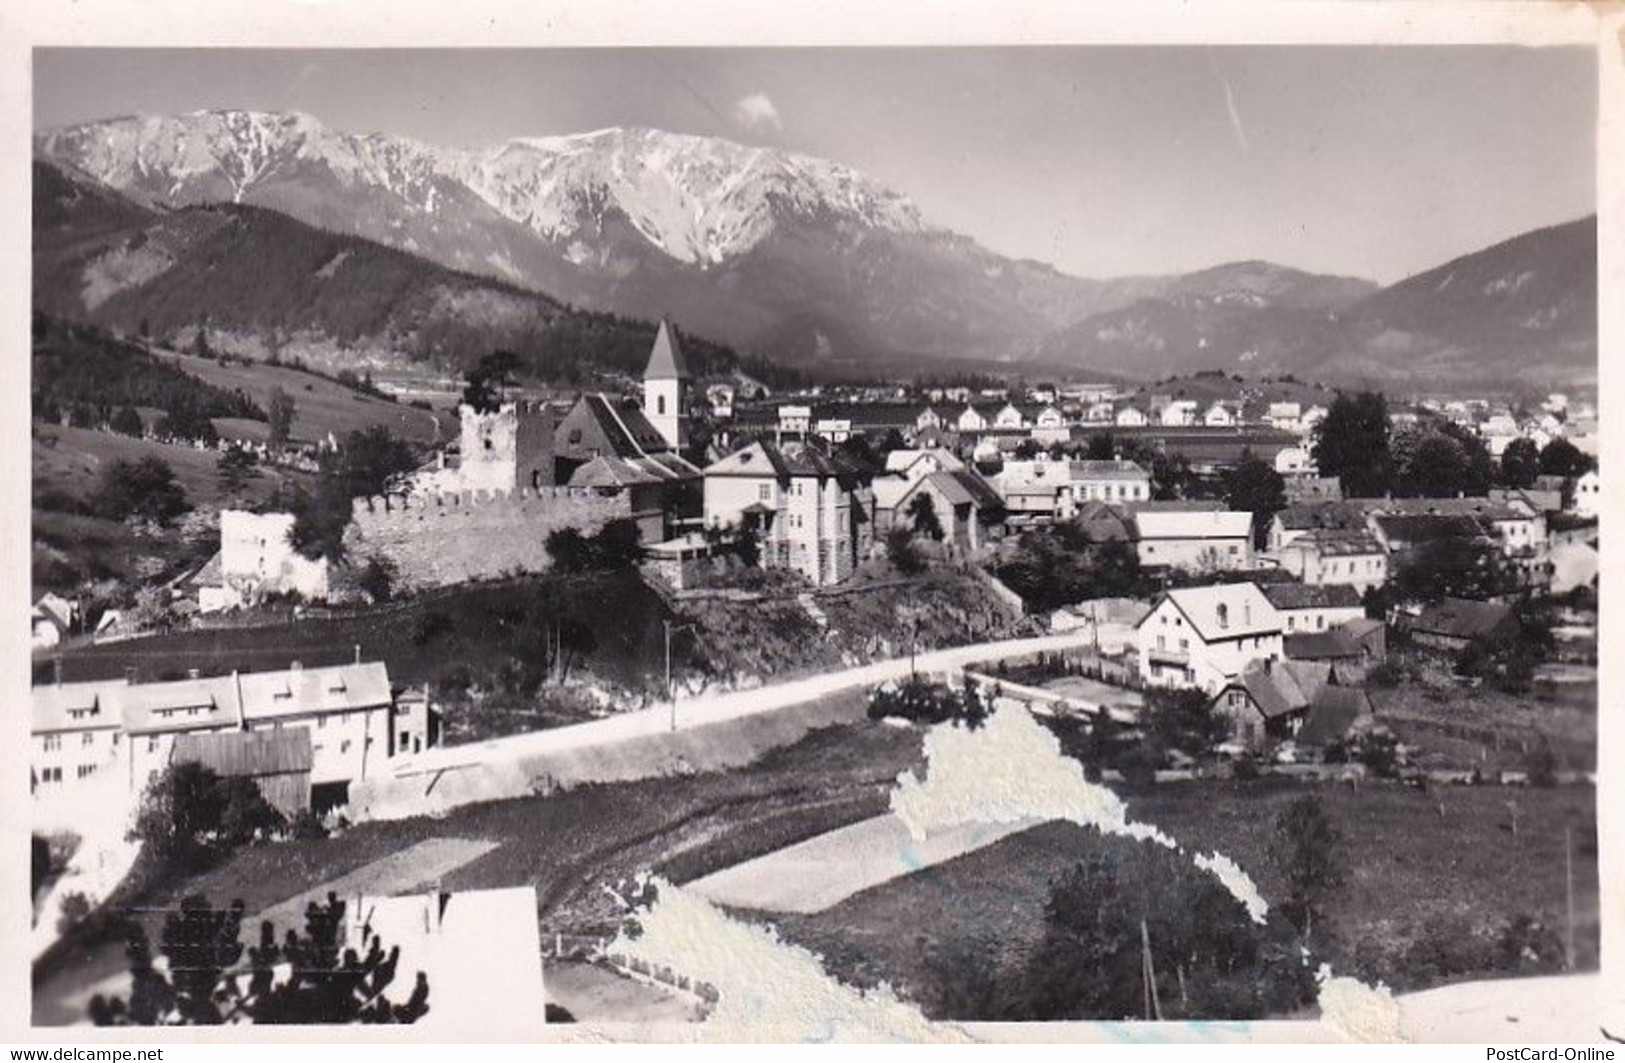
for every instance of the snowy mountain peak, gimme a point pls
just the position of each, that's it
(700, 200)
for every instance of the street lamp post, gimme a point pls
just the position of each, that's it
(671, 691)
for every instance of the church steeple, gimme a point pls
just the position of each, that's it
(665, 387)
(666, 361)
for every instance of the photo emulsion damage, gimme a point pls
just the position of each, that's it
(973, 535)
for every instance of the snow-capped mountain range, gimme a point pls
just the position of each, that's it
(699, 200)
(807, 260)
(766, 249)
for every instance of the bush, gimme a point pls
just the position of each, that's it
(144, 489)
(615, 546)
(903, 552)
(75, 909)
(1528, 946)
(307, 826)
(189, 815)
(919, 700)
(39, 862)
(378, 578)
(430, 626)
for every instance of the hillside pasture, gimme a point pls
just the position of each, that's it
(321, 406)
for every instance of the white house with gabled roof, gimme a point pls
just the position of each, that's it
(1205, 636)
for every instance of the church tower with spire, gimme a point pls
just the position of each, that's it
(665, 388)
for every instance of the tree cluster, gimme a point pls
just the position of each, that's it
(190, 815)
(614, 547)
(211, 979)
(921, 700)
(1059, 565)
(366, 464)
(144, 489)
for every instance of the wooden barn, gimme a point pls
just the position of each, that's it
(278, 761)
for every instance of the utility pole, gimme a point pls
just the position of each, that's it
(1568, 875)
(671, 691)
(1153, 1005)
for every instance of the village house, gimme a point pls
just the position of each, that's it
(928, 418)
(1011, 417)
(1290, 700)
(1313, 608)
(350, 711)
(811, 507)
(1285, 416)
(1350, 650)
(1329, 556)
(1050, 425)
(1456, 623)
(1098, 480)
(1032, 487)
(257, 560)
(1195, 541)
(1296, 520)
(972, 419)
(1178, 413)
(1204, 636)
(1221, 415)
(1131, 417)
(913, 464)
(52, 619)
(965, 505)
(1587, 495)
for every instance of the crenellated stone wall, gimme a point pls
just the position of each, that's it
(438, 539)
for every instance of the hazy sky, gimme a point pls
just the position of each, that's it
(1376, 162)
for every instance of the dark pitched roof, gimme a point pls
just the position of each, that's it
(1321, 645)
(1311, 596)
(1462, 618)
(1428, 528)
(1322, 515)
(666, 361)
(978, 488)
(625, 427)
(1333, 711)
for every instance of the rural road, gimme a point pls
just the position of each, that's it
(710, 708)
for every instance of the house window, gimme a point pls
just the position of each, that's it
(152, 743)
(1224, 615)
(344, 746)
(660, 404)
(87, 739)
(764, 492)
(53, 743)
(1184, 644)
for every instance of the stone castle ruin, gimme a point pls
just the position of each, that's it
(524, 472)
(439, 539)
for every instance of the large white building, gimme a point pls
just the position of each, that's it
(811, 508)
(355, 722)
(1194, 540)
(1205, 636)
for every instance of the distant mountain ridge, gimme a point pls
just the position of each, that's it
(1524, 309)
(258, 283)
(814, 263)
(769, 250)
